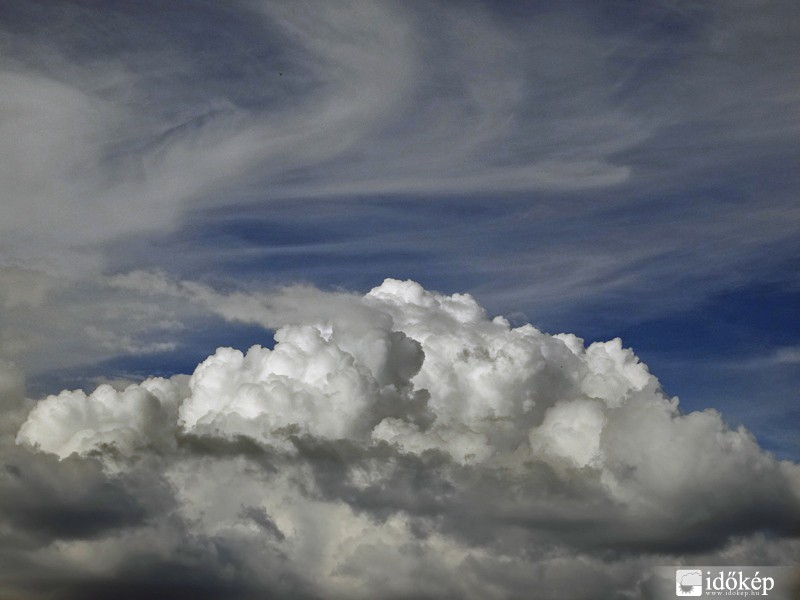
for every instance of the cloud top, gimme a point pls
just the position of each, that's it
(405, 365)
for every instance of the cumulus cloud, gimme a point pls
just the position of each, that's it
(410, 446)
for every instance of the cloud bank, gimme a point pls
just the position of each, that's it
(406, 445)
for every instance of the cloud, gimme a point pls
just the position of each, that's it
(782, 356)
(120, 123)
(52, 322)
(13, 404)
(45, 500)
(410, 446)
(133, 419)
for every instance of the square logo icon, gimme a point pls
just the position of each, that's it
(688, 582)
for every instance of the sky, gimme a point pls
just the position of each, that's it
(420, 299)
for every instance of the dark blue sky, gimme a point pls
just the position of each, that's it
(602, 168)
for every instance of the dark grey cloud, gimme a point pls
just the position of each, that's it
(542, 508)
(71, 499)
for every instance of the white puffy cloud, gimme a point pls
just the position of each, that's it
(411, 446)
(378, 371)
(140, 416)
